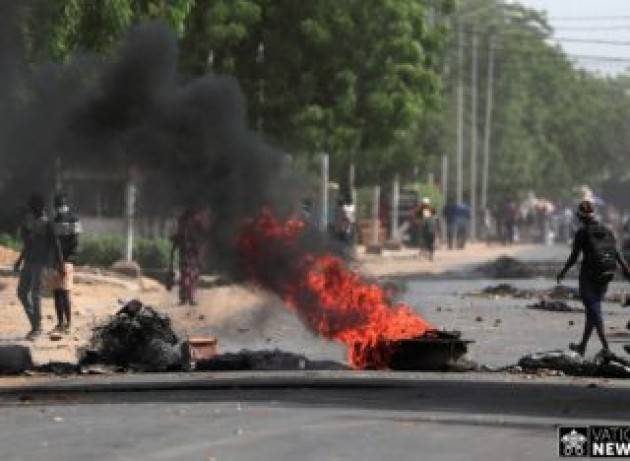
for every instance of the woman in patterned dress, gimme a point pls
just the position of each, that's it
(190, 242)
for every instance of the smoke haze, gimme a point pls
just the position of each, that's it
(136, 113)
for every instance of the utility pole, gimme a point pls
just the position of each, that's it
(460, 115)
(488, 124)
(130, 199)
(260, 60)
(395, 208)
(374, 246)
(323, 223)
(352, 180)
(444, 188)
(473, 139)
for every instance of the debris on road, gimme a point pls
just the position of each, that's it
(136, 338)
(604, 365)
(506, 290)
(562, 292)
(506, 267)
(438, 350)
(57, 368)
(267, 360)
(554, 306)
(503, 290)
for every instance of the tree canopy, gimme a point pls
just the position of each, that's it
(347, 77)
(555, 126)
(373, 81)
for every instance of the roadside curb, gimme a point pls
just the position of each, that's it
(298, 379)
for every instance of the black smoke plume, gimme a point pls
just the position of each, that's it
(136, 113)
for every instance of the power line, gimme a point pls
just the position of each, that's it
(588, 18)
(592, 41)
(584, 57)
(527, 34)
(592, 28)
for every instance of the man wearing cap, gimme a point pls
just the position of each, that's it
(600, 259)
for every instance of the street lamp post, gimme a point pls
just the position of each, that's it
(260, 60)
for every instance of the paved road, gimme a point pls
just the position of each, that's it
(433, 419)
(504, 329)
(407, 262)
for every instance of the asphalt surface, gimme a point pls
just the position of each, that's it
(505, 329)
(301, 416)
(327, 415)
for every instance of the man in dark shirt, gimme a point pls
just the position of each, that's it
(40, 249)
(67, 229)
(599, 262)
(450, 216)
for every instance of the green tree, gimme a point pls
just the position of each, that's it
(554, 126)
(58, 28)
(351, 77)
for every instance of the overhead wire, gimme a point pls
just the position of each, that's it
(588, 18)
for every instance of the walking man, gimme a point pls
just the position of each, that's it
(600, 258)
(67, 229)
(40, 248)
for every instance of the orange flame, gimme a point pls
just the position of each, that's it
(330, 299)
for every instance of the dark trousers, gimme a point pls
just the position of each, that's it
(62, 306)
(450, 234)
(29, 293)
(592, 293)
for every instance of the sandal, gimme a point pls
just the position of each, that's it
(33, 335)
(577, 348)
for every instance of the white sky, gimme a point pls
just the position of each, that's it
(584, 20)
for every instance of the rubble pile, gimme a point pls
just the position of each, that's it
(505, 267)
(265, 360)
(136, 338)
(604, 365)
(504, 290)
(562, 292)
(554, 306)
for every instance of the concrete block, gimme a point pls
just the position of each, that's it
(374, 249)
(393, 245)
(128, 268)
(15, 359)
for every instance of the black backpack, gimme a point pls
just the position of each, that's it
(603, 251)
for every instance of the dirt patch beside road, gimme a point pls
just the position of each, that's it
(233, 310)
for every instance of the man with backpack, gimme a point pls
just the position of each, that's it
(600, 258)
